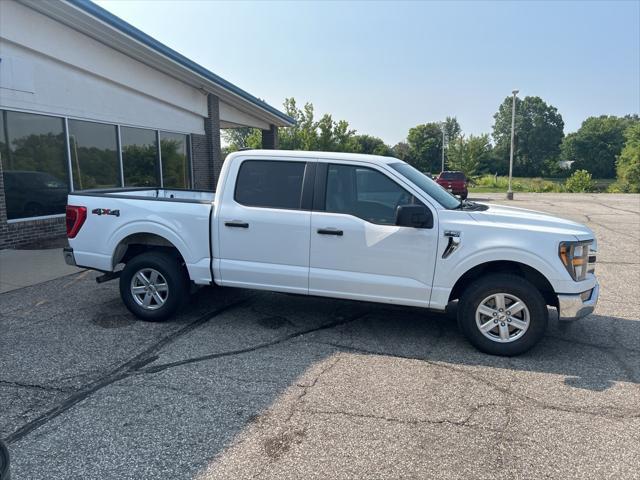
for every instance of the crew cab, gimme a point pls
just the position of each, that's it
(339, 225)
(454, 182)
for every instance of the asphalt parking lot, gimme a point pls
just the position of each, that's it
(259, 385)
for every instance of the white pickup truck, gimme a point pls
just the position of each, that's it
(339, 225)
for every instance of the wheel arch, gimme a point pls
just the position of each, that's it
(525, 271)
(140, 242)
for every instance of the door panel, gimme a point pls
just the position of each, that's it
(357, 251)
(381, 263)
(272, 253)
(262, 247)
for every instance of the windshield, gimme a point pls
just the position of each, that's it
(427, 185)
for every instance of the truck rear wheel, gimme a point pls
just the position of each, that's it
(502, 314)
(153, 286)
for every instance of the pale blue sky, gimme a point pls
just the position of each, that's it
(388, 66)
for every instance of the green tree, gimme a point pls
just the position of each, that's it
(303, 135)
(452, 130)
(309, 134)
(370, 145)
(239, 138)
(597, 144)
(401, 150)
(628, 164)
(468, 154)
(539, 130)
(425, 147)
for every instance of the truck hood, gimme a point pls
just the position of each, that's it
(520, 218)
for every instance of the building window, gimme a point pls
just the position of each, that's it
(140, 157)
(175, 160)
(94, 155)
(34, 164)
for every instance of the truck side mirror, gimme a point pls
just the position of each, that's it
(416, 216)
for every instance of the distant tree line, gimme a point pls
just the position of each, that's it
(605, 146)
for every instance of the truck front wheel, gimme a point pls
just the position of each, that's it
(153, 285)
(502, 314)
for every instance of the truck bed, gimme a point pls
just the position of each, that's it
(115, 217)
(197, 196)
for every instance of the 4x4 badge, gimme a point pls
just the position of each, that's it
(105, 211)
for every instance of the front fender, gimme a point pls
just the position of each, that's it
(450, 270)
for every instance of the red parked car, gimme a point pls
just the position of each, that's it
(455, 182)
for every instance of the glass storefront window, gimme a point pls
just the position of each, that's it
(140, 157)
(94, 155)
(34, 164)
(175, 160)
(35, 167)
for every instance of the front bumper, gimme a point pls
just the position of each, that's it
(69, 259)
(574, 306)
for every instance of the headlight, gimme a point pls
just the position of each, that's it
(575, 257)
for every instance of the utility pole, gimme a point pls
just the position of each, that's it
(442, 169)
(513, 125)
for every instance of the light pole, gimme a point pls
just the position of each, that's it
(513, 125)
(442, 169)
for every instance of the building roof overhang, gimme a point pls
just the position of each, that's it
(101, 25)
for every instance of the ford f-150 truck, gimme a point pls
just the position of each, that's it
(339, 225)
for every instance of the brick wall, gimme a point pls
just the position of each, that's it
(17, 234)
(270, 138)
(202, 170)
(206, 152)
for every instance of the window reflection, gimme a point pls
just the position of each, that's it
(175, 164)
(94, 155)
(34, 164)
(139, 157)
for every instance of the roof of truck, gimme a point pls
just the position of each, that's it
(353, 157)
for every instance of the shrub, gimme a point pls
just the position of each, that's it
(579, 182)
(628, 164)
(621, 187)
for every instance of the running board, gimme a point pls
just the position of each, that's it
(108, 276)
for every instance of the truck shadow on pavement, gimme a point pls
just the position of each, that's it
(91, 393)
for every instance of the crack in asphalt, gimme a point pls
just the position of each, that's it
(617, 209)
(294, 409)
(411, 421)
(127, 369)
(603, 412)
(35, 386)
(253, 348)
(618, 232)
(135, 366)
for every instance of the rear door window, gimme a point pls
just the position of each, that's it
(270, 184)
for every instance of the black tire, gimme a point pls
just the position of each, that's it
(464, 196)
(511, 285)
(177, 285)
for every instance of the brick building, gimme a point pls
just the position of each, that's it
(88, 101)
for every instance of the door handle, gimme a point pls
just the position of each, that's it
(330, 231)
(236, 224)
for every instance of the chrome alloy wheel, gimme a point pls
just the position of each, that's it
(149, 289)
(502, 317)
